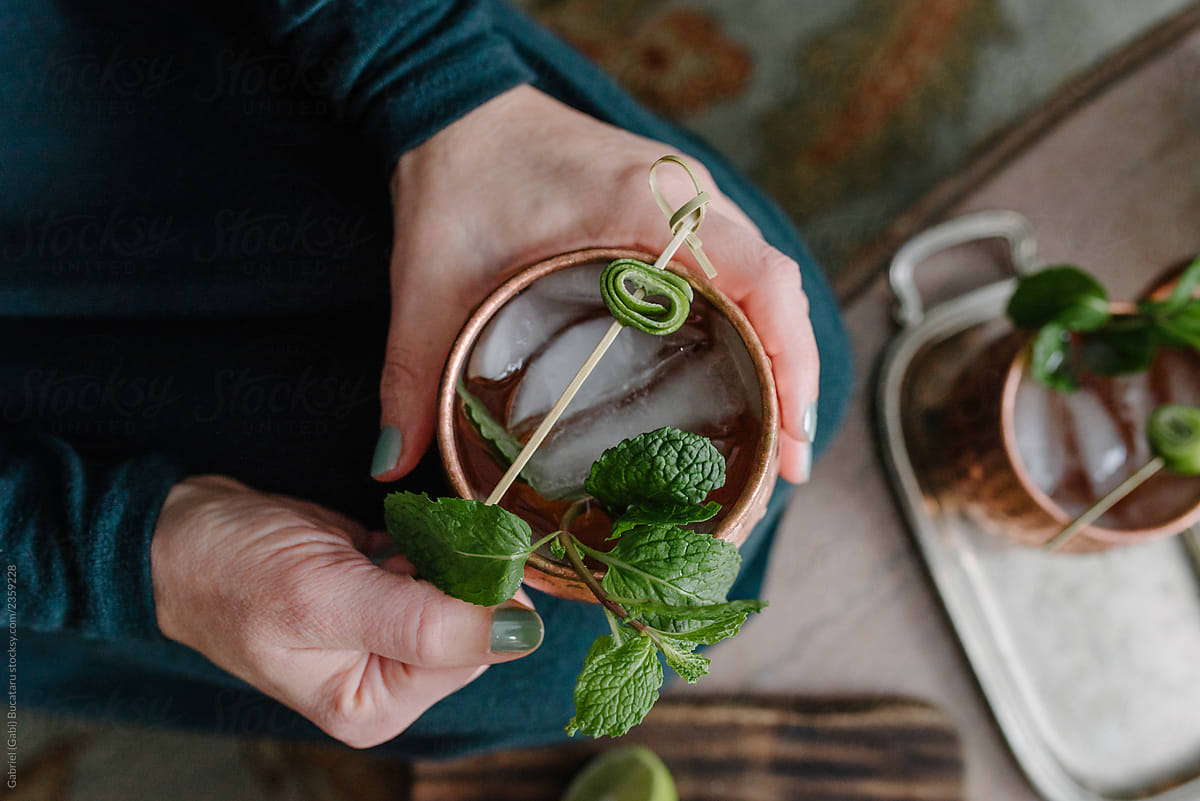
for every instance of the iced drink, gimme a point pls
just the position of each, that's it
(700, 378)
(1078, 447)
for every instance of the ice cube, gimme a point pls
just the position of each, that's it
(531, 318)
(1039, 440)
(629, 363)
(520, 328)
(576, 285)
(1102, 452)
(1135, 399)
(698, 390)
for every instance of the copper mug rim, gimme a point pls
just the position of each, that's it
(731, 527)
(1016, 373)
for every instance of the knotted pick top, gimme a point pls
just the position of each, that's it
(688, 217)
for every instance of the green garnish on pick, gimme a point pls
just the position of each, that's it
(1174, 434)
(631, 309)
(664, 592)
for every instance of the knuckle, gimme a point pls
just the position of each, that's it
(427, 636)
(401, 366)
(782, 272)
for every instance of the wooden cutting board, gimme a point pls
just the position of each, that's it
(737, 748)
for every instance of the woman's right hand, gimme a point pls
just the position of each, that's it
(280, 593)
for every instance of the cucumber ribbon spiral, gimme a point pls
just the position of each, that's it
(1174, 434)
(640, 312)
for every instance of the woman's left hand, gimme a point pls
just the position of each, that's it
(524, 177)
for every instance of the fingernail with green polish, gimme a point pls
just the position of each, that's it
(806, 460)
(387, 450)
(515, 629)
(809, 423)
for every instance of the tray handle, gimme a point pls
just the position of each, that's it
(1010, 225)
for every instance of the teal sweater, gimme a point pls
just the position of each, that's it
(193, 252)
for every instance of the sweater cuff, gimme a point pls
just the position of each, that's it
(122, 605)
(463, 78)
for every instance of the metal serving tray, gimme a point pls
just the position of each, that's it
(1090, 663)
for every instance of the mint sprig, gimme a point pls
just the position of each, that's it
(664, 589)
(1076, 332)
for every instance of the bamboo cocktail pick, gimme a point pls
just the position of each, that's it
(1174, 434)
(684, 223)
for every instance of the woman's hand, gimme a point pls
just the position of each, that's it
(279, 592)
(522, 178)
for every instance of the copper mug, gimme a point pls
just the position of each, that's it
(545, 573)
(993, 482)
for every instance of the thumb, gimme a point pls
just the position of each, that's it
(408, 620)
(423, 327)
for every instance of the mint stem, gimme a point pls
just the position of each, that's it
(613, 625)
(573, 513)
(543, 541)
(568, 543)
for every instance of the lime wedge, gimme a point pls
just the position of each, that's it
(632, 773)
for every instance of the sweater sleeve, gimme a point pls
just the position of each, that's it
(399, 70)
(76, 536)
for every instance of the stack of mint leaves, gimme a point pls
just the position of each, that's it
(664, 588)
(1066, 306)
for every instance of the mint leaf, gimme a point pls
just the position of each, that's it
(678, 514)
(1182, 328)
(1064, 295)
(714, 632)
(670, 565)
(557, 549)
(657, 469)
(704, 625)
(466, 549)
(616, 688)
(1050, 359)
(488, 427)
(681, 657)
(706, 613)
(601, 645)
